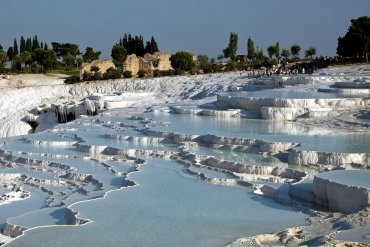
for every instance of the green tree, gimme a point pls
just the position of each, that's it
(69, 60)
(15, 47)
(38, 55)
(250, 49)
(26, 58)
(16, 63)
(119, 54)
(230, 50)
(3, 59)
(29, 45)
(271, 51)
(310, 52)
(204, 64)
(356, 42)
(90, 55)
(295, 50)
(285, 53)
(277, 50)
(133, 45)
(151, 46)
(182, 61)
(35, 43)
(10, 53)
(63, 49)
(50, 60)
(22, 47)
(259, 54)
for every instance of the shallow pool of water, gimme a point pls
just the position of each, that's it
(168, 208)
(264, 130)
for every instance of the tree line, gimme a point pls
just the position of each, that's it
(32, 55)
(256, 54)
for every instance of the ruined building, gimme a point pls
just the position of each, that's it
(103, 65)
(148, 63)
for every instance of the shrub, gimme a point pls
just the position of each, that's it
(127, 74)
(72, 80)
(207, 69)
(91, 76)
(169, 72)
(179, 72)
(182, 61)
(216, 67)
(141, 74)
(94, 68)
(34, 68)
(156, 73)
(112, 73)
(86, 76)
(230, 66)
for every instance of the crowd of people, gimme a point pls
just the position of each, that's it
(285, 69)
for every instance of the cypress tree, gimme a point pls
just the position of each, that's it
(277, 50)
(230, 51)
(125, 41)
(42, 45)
(35, 43)
(46, 47)
(151, 46)
(139, 46)
(29, 45)
(22, 45)
(10, 53)
(15, 47)
(250, 47)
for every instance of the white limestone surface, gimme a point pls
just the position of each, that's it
(344, 191)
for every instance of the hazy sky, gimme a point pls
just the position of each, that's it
(200, 26)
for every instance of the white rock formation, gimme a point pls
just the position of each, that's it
(340, 196)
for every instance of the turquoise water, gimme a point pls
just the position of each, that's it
(264, 130)
(245, 158)
(36, 201)
(168, 207)
(186, 213)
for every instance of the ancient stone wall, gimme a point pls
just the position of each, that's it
(150, 62)
(103, 65)
(160, 60)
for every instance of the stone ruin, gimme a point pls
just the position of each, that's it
(103, 65)
(150, 62)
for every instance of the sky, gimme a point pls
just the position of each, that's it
(199, 26)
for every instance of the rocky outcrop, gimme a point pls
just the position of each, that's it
(285, 173)
(13, 231)
(340, 196)
(303, 157)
